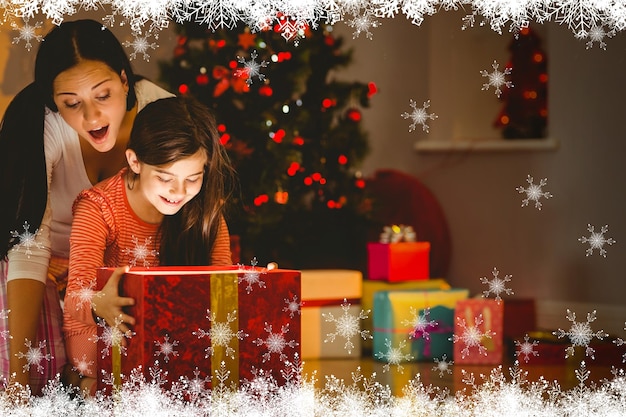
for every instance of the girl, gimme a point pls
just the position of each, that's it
(60, 135)
(166, 208)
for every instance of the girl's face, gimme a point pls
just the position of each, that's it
(91, 98)
(163, 190)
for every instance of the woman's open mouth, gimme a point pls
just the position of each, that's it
(99, 134)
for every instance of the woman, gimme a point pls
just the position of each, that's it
(61, 134)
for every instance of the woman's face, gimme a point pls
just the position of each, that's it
(91, 98)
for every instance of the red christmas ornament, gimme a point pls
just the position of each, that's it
(183, 89)
(266, 91)
(359, 183)
(342, 159)
(354, 115)
(202, 79)
(371, 89)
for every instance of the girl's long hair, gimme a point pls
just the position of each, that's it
(172, 129)
(23, 181)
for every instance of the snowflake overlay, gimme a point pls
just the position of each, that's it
(471, 336)
(111, 336)
(220, 334)
(251, 68)
(27, 33)
(346, 326)
(166, 348)
(619, 342)
(419, 116)
(596, 34)
(443, 366)
(275, 342)
(34, 356)
(140, 45)
(252, 277)
(420, 325)
(27, 240)
(580, 334)
(83, 366)
(497, 79)
(140, 252)
(526, 348)
(363, 24)
(534, 192)
(4, 315)
(497, 286)
(84, 294)
(597, 240)
(394, 356)
(292, 306)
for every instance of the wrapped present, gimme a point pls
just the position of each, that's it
(396, 314)
(402, 261)
(478, 324)
(398, 256)
(372, 287)
(328, 296)
(196, 320)
(520, 317)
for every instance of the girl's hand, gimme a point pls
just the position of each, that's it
(107, 304)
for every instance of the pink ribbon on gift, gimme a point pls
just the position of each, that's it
(437, 327)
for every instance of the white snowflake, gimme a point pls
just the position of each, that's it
(252, 277)
(497, 79)
(275, 342)
(111, 336)
(443, 366)
(346, 326)
(526, 348)
(363, 24)
(4, 315)
(251, 68)
(394, 356)
(419, 323)
(140, 252)
(596, 34)
(220, 334)
(619, 342)
(140, 45)
(579, 16)
(27, 33)
(471, 336)
(597, 240)
(291, 29)
(497, 286)
(166, 348)
(580, 334)
(419, 116)
(34, 356)
(292, 306)
(26, 240)
(82, 366)
(84, 294)
(534, 192)
(197, 387)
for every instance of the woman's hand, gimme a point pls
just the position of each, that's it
(107, 304)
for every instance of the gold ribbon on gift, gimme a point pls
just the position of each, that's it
(224, 303)
(397, 233)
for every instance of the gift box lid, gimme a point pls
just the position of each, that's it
(331, 284)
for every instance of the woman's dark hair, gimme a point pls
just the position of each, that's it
(166, 131)
(23, 182)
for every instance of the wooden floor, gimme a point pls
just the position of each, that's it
(565, 375)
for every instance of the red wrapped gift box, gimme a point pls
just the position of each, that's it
(248, 318)
(402, 261)
(478, 317)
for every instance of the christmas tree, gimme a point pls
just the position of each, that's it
(524, 114)
(293, 132)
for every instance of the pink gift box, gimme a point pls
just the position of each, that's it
(478, 316)
(402, 261)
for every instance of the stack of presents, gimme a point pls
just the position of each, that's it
(229, 325)
(405, 315)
